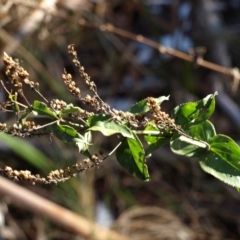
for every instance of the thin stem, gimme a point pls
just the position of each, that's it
(109, 154)
(48, 124)
(40, 95)
(20, 91)
(16, 102)
(73, 124)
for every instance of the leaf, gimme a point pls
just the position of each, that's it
(69, 109)
(107, 127)
(41, 108)
(26, 151)
(65, 133)
(203, 132)
(84, 142)
(227, 149)
(131, 156)
(97, 118)
(152, 133)
(151, 138)
(141, 107)
(223, 161)
(193, 113)
(154, 141)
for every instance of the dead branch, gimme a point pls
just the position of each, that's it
(59, 215)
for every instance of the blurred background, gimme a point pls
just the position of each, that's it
(181, 201)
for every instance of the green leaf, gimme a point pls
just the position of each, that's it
(41, 108)
(141, 107)
(131, 156)
(223, 160)
(26, 151)
(69, 109)
(153, 134)
(193, 113)
(65, 132)
(97, 118)
(227, 149)
(203, 132)
(151, 138)
(108, 127)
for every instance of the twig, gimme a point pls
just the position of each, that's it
(162, 49)
(16, 102)
(109, 154)
(139, 38)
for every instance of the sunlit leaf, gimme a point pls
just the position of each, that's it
(193, 113)
(108, 127)
(223, 161)
(41, 108)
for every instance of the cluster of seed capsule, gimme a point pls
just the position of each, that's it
(63, 175)
(95, 100)
(15, 73)
(162, 119)
(70, 84)
(83, 74)
(31, 84)
(98, 104)
(27, 129)
(3, 127)
(58, 104)
(87, 163)
(22, 175)
(58, 175)
(54, 176)
(28, 126)
(133, 120)
(4, 106)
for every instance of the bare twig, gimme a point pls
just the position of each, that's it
(190, 57)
